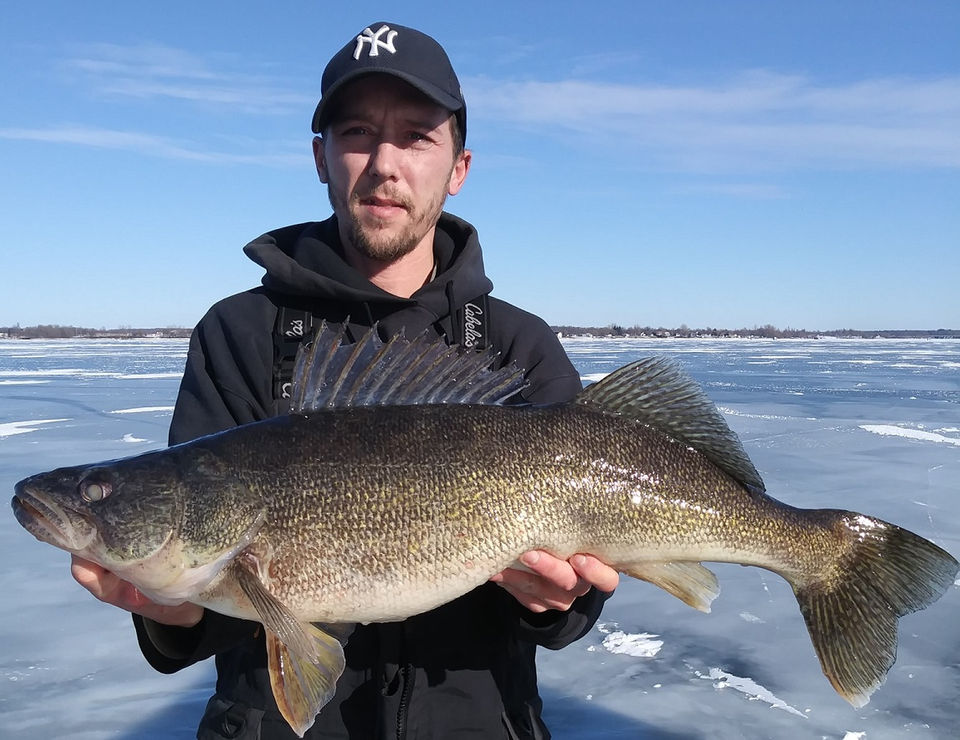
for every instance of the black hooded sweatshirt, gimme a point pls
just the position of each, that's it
(465, 669)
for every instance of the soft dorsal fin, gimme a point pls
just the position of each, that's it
(328, 374)
(656, 392)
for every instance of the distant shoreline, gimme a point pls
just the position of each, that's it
(615, 331)
(763, 332)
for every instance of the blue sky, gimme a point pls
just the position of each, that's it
(703, 163)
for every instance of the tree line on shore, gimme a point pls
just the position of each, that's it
(57, 331)
(763, 332)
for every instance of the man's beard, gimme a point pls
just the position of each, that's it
(376, 245)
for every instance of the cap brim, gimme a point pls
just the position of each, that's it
(440, 97)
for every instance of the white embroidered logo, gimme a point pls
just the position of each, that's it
(472, 329)
(376, 43)
(296, 328)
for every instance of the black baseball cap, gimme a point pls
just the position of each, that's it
(387, 48)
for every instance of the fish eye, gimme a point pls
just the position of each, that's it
(91, 491)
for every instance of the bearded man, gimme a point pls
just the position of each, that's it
(390, 130)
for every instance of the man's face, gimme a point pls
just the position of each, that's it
(388, 160)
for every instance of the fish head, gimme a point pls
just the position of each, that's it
(167, 521)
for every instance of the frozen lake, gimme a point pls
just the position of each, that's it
(867, 425)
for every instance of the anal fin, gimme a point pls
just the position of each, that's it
(690, 582)
(302, 686)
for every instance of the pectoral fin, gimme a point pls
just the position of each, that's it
(690, 582)
(304, 660)
(273, 613)
(300, 686)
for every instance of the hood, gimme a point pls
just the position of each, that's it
(306, 261)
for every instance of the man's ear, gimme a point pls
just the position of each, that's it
(319, 157)
(459, 174)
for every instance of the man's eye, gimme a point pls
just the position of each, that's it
(355, 131)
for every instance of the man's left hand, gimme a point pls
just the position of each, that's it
(552, 583)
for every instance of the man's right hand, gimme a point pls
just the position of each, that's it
(110, 588)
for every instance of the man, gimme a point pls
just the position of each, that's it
(391, 127)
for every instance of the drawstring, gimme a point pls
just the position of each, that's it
(352, 335)
(366, 308)
(456, 337)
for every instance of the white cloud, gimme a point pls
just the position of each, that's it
(155, 71)
(149, 144)
(758, 121)
(755, 122)
(141, 60)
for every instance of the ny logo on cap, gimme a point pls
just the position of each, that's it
(376, 43)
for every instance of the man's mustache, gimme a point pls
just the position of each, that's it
(385, 195)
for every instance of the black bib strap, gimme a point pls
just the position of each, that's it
(471, 327)
(293, 326)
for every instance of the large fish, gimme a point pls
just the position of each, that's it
(399, 482)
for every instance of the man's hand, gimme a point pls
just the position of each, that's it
(552, 583)
(112, 589)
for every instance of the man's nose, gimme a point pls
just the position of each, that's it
(383, 161)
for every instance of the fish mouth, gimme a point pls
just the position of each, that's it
(49, 522)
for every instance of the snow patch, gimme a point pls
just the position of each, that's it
(143, 410)
(22, 427)
(57, 373)
(747, 686)
(641, 645)
(148, 376)
(593, 377)
(773, 417)
(895, 431)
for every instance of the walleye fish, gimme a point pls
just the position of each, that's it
(400, 480)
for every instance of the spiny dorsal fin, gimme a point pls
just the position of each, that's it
(400, 372)
(656, 392)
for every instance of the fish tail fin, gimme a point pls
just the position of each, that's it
(852, 616)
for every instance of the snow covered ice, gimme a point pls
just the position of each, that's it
(868, 425)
